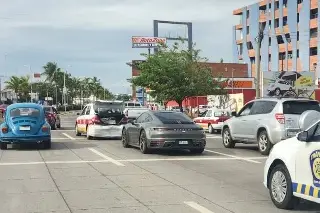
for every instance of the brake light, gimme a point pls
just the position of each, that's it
(96, 120)
(161, 129)
(4, 129)
(280, 118)
(45, 128)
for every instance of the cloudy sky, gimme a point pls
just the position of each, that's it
(93, 37)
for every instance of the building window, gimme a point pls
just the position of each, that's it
(298, 17)
(289, 54)
(285, 21)
(252, 60)
(298, 54)
(264, 25)
(276, 5)
(285, 3)
(263, 9)
(269, 57)
(269, 7)
(280, 39)
(314, 13)
(276, 23)
(288, 38)
(269, 24)
(282, 56)
(300, 1)
(249, 45)
(269, 41)
(298, 36)
(248, 13)
(314, 33)
(313, 51)
(248, 30)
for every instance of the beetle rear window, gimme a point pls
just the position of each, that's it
(23, 111)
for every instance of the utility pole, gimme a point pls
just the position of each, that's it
(64, 91)
(259, 39)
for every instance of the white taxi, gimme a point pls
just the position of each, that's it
(101, 119)
(292, 170)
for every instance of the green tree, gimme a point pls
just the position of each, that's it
(177, 74)
(20, 85)
(124, 97)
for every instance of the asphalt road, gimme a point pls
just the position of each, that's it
(100, 176)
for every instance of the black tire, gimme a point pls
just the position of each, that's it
(59, 125)
(47, 144)
(124, 139)
(3, 146)
(227, 142)
(54, 126)
(77, 132)
(264, 143)
(197, 151)
(143, 143)
(289, 200)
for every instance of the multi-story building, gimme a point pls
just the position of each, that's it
(290, 35)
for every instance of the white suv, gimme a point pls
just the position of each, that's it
(266, 121)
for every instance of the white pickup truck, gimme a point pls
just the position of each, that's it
(135, 112)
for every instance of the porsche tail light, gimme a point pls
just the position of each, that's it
(96, 120)
(4, 129)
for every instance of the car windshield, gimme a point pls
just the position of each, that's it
(24, 111)
(221, 113)
(173, 118)
(298, 107)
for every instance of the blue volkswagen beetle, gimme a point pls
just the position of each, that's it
(25, 123)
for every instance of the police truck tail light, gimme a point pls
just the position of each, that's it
(96, 120)
(280, 118)
(4, 129)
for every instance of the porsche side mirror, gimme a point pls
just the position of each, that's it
(303, 136)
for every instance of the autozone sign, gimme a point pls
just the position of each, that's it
(142, 41)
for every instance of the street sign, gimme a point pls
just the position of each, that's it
(147, 42)
(64, 91)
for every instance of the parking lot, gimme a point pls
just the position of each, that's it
(96, 176)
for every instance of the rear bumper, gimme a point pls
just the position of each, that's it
(167, 143)
(109, 131)
(27, 139)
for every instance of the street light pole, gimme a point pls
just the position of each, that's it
(31, 77)
(64, 90)
(259, 39)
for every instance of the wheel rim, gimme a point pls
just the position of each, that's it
(226, 137)
(279, 186)
(142, 142)
(210, 128)
(263, 142)
(124, 138)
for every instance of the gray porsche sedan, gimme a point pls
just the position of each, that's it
(164, 130)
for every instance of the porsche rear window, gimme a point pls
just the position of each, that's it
(24, 111)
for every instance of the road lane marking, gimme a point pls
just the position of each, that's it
(106, 157)
(197, 207)
(68, 136)
(127, 160)
(233, 156)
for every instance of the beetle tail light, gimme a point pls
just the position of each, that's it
(45, 128)
(4, 129)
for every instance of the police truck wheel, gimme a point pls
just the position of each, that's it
(280, 188)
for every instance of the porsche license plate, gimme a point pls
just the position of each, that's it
(24, 128)
(111, 122)
(183, 142)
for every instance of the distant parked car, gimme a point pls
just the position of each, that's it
(52, 116)
(25, 123)
(164, 130)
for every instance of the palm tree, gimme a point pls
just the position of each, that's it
(20, 86)
(49, 71)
